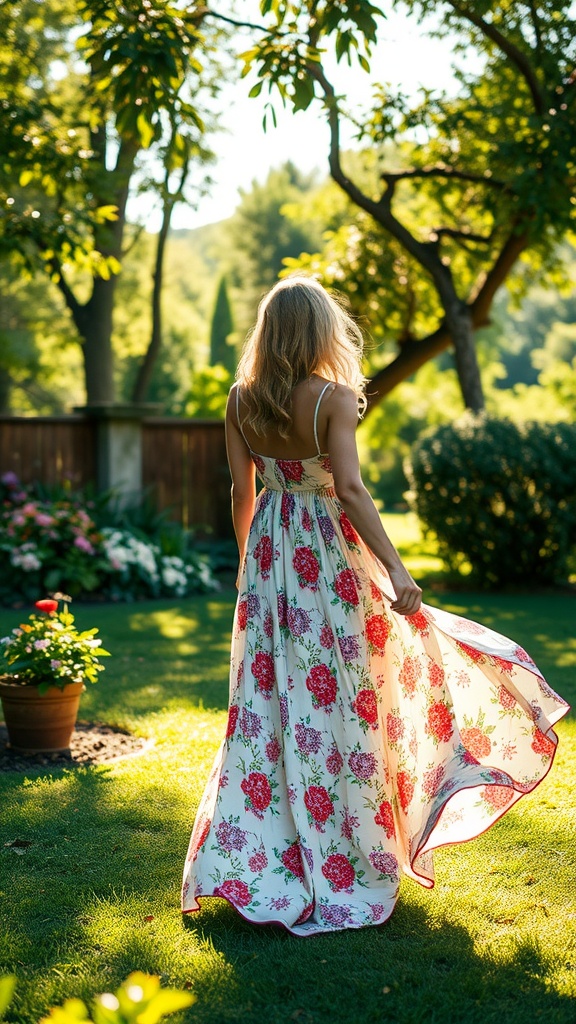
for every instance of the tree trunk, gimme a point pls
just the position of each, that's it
(95, 324)
(461, 327)
(5, 389)
(146, 368)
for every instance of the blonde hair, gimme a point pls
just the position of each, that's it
(300, 330)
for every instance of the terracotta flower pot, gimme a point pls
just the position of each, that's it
(39, 723)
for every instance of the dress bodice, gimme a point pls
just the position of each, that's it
(313, 474)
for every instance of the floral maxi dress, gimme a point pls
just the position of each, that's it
(358, 740)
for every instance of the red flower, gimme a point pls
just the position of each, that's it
(348, 531)
(306, 520)
(263, 671)
(232, 720)
(242, 615)
(435, 673)
(286, 509)
(306, 564)
(318, 803)
(322, 685)
(405, 790)
(258, 861)
(419, 622)
(338, 870)
(394, 727)
(385, 817)
(505, 698)
(273, 749)
(334, 761)
(236, 891)
(521, 654)
(292, 860)
(263, 555)
(476, 741)
(377, 632)
(497, 796)
(199, 836)
(345, 587)
(47, 605)
(366, 707)
(258, 790)
(410, 674)
(440, 722)
(541, 744)
(472, 653)
(326, 637)
(291, 469)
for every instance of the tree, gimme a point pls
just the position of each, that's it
(221, 327)
(495, 163)
(73, 144)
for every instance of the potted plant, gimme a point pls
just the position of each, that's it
(47, 663)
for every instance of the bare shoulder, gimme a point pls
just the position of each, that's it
(342, 400)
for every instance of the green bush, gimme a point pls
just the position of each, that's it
(499, 494)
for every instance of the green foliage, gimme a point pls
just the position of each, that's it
(501, 495)
(7, 986)
(221, 327)
(209, 393)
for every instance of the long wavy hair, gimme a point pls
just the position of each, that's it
(300, 330)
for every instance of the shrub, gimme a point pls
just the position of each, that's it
(499, 494)
(59, 542)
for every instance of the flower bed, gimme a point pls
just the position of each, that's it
(60, 543)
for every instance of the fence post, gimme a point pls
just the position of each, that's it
(119, 449)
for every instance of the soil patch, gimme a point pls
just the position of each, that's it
(90, 744)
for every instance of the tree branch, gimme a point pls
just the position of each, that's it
(441, 171)
(510, 49)
(208, 12)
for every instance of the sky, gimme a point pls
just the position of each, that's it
(403, 56)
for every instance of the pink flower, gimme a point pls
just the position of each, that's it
(339, 872)
(236, 891)
(83, 544)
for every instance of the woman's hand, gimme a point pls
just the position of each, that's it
(408, 593)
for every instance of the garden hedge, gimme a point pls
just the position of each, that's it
(500, 494)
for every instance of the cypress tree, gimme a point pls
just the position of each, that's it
(221, 327)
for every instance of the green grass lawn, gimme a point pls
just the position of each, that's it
(96, 895)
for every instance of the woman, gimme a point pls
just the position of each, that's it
(364, 729)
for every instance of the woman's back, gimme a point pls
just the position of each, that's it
(309, 410)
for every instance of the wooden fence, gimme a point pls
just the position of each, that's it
(184, 466)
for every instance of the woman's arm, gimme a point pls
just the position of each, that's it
(243, 476)
(342, 420)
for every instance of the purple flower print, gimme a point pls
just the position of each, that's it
(283, 710)
(334, 761)
(298, 621)
(326, 637)
(378, 911)
(333, 914)
(349, 647)
(363, 766)
(258, 861)
(286, 509)
(282, 610)
(306, 520)
(253, 605)
(250, 723)
(309, 740)
(385, 863)
(230, 837)
(350, 822)
(326, 528)
(273, 749)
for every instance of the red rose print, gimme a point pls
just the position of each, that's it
(263, 672)
(541, 744)
(242, 616)
(345, 587)
(385, 818)
(377, 632)
(338, 870)
(348, 531)
(286, 509)
(419, 622)
(199, 836)
(306, 520)
(318, 803)
(497, 796)
(505, 698)
(291, 469)
(366, 707)
(440, 722)
(405, 790)
(258, 790)
(306, 565)
(292, 860)
(472, 653)
(258, 861)
(505, 666)
(273, 750)
(232, 720)
(259, 463)
(476, 741)
(394, 728)
(282, 609)
(268, 624)
(410, 674)
(236, 891)
(334, 761)
(326, 637)
(322, 685)
(263, 555)
(435, 674)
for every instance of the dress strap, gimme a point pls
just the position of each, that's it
(320, 397)
(238, 417)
